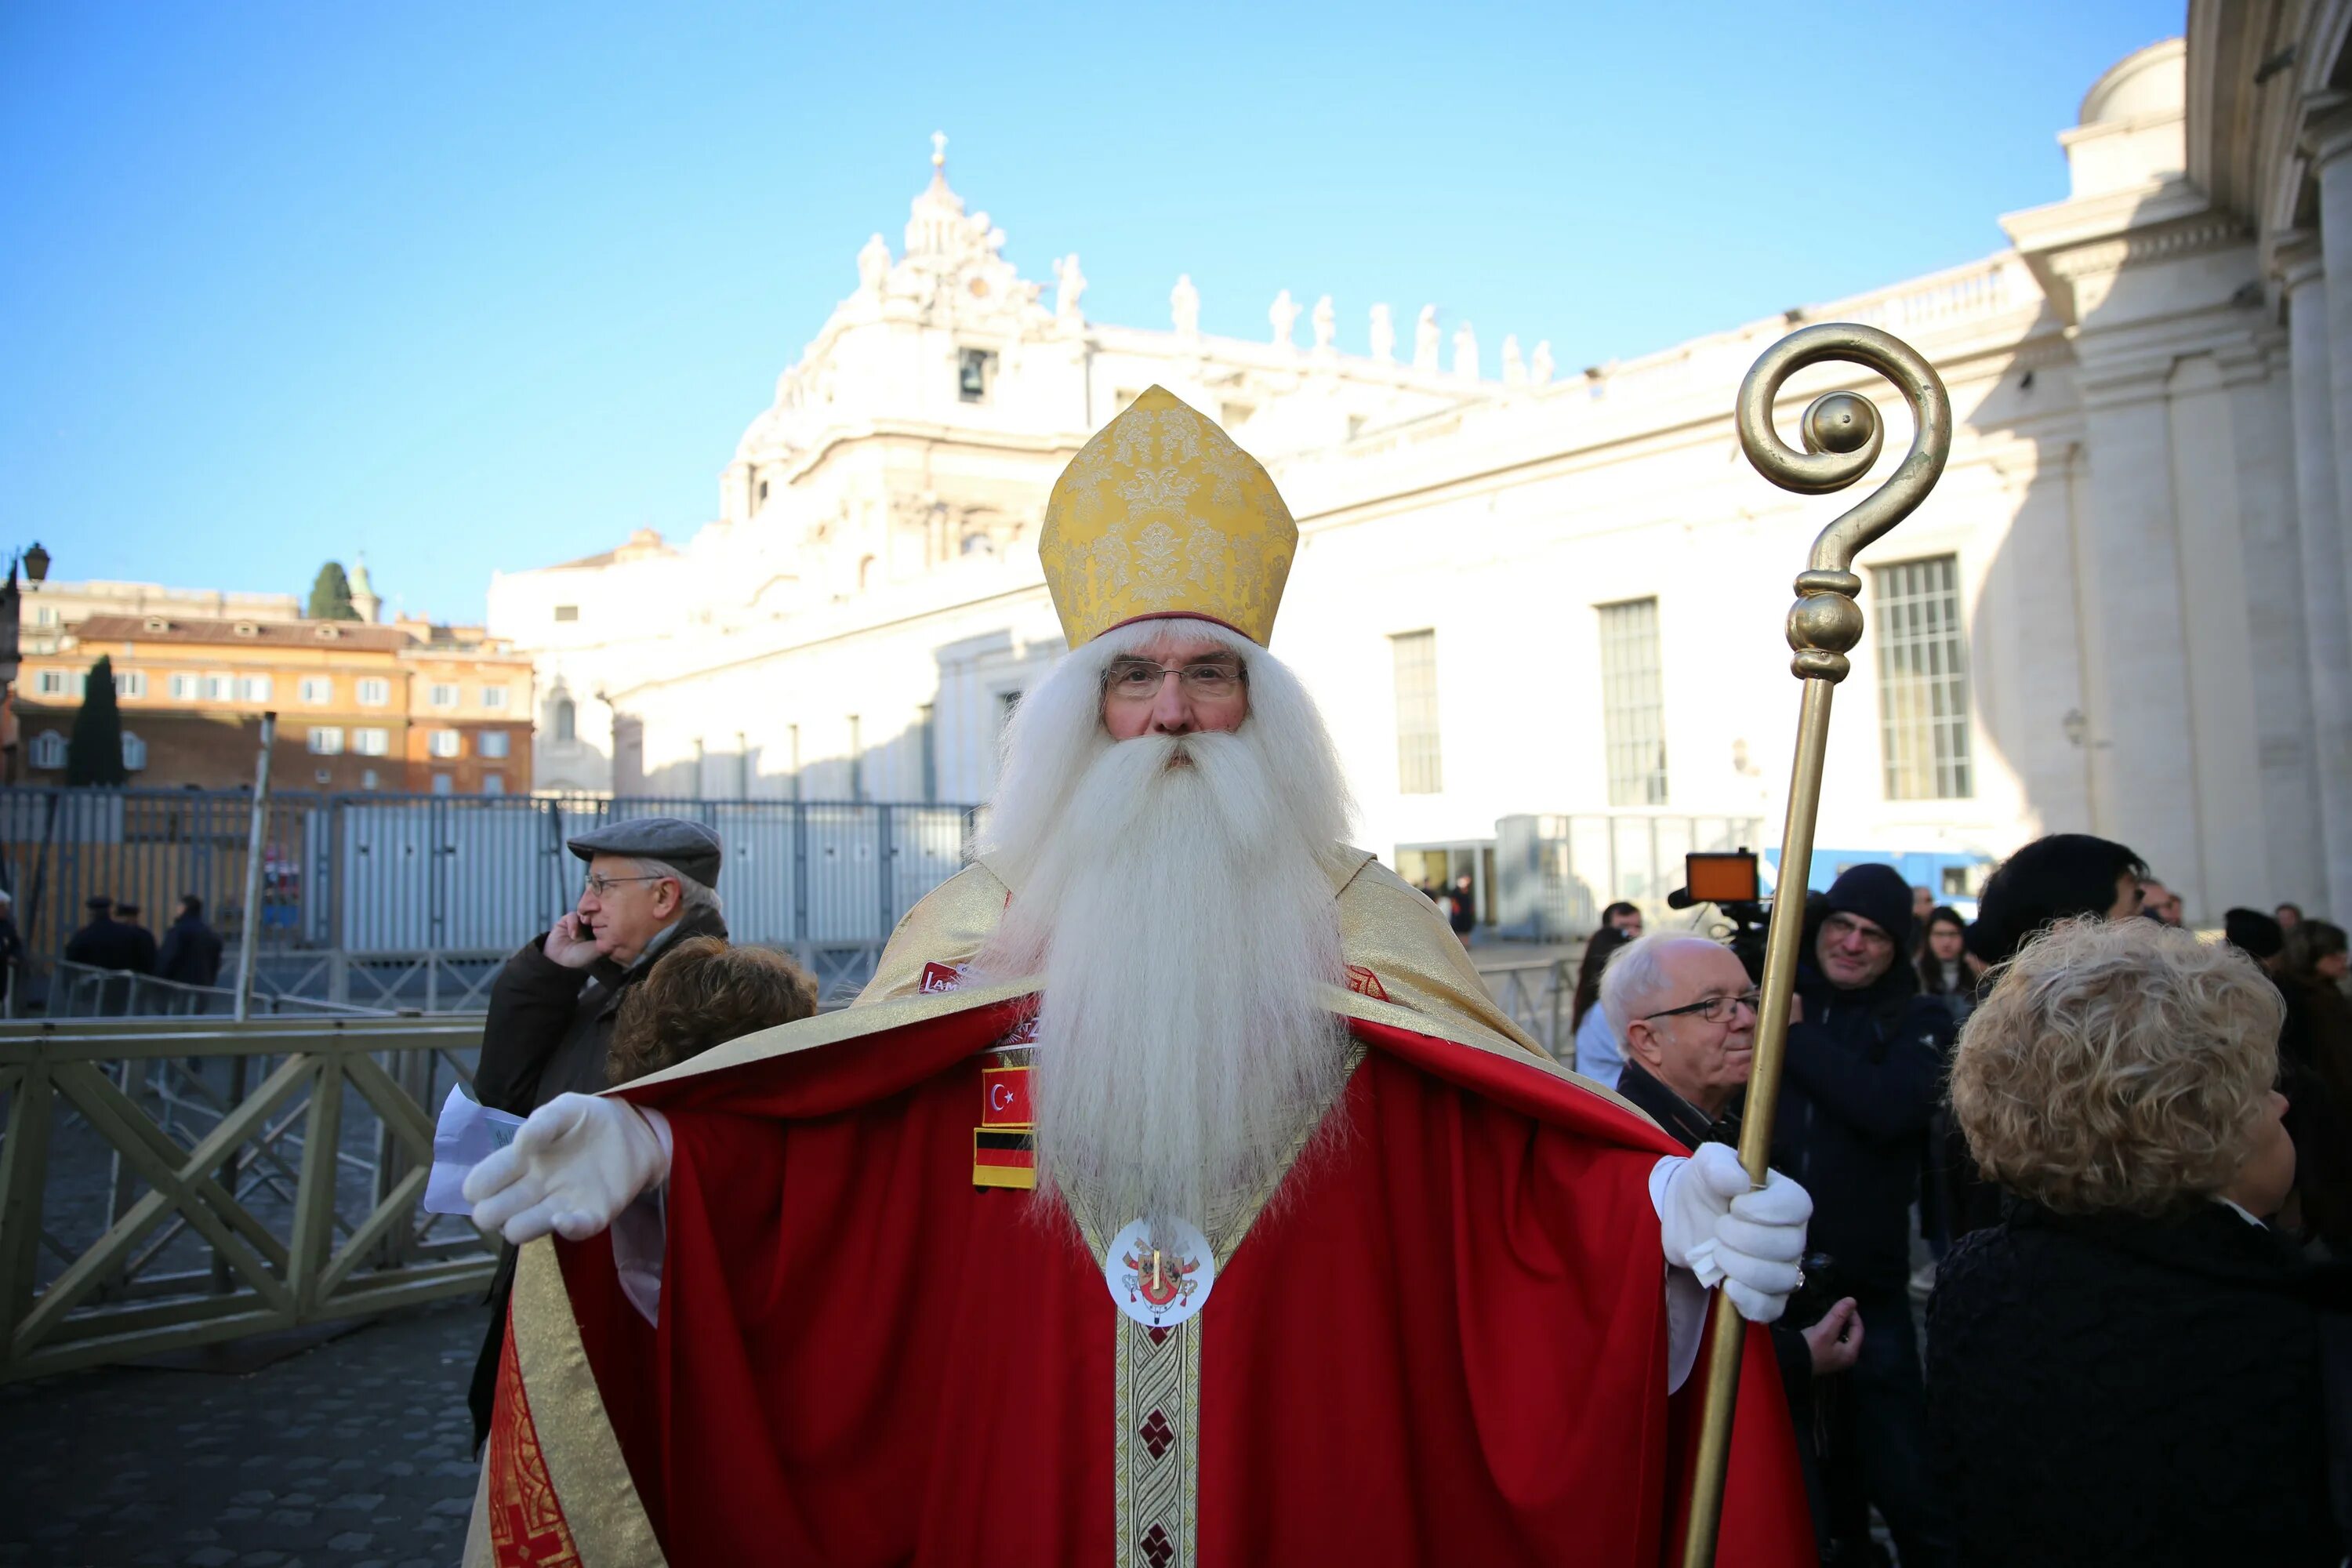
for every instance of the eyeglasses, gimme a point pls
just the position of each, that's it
(1714, 1009)
(1139, 680)
(1839, 928)
(599, 886)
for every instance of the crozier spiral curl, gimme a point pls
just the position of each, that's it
(1844, 434)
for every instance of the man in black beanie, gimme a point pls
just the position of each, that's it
(1865, 1068)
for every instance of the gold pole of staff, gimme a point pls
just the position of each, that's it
(1843, 434)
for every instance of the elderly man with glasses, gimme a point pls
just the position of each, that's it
(1865, 1066)
(1686, 1011)
(650, 881)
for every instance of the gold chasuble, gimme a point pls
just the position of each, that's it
(1444, 1342)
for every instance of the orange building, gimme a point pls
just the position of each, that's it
(360, 706)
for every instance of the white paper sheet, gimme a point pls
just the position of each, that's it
(467, 1134)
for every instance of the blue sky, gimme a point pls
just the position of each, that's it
(472, 287)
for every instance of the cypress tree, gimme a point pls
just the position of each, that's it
(331, 594)
(94, 751)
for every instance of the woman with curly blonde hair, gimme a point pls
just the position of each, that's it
(2126, 1369)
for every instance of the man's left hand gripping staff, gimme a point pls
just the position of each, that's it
(1748, 1239)
(575, 1164)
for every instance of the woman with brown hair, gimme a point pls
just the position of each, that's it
(1599, 1055)
(2127, 1369)
(703, 993)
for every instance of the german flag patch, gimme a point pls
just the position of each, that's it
(1003, 1159)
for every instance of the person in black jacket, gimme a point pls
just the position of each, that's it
(2131, 1367)
(2315, 1071)
(1865, 1068)
(107, 943)
(139, 941)
(1463, 914)
(191, 953)
(104, 943)
(651, 881)
(12, 944)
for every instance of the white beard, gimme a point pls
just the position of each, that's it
(1176, 902)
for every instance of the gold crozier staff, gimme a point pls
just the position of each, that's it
(1843, 434)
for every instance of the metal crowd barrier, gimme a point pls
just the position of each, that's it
(1536, 992)
(172, 1180)
(82, 990)
(151, 1201)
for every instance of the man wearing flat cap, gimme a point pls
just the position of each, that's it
(650, 880)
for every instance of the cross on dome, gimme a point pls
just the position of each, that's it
(936, 221)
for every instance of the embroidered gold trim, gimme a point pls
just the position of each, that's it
(1156, 1386)
(1155, 1460)
(582, 1456)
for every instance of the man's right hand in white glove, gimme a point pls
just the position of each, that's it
(575, 1164)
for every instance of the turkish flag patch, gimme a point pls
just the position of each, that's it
(1364, 983)
(939, 977)
(1005, 1098)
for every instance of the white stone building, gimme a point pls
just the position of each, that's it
(1530, 598)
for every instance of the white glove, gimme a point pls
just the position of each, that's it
(1748, 1240)
(576, 1162)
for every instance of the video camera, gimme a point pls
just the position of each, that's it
(1728, 880)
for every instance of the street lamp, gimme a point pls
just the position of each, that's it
(36, 569)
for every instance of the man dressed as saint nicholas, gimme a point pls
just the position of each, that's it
(1175, 1194)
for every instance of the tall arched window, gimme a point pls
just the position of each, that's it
(134, 752)
(566, 718)
(48, 750)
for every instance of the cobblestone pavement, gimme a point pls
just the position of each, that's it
(354, 1454)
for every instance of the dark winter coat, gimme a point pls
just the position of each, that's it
(142, 945)
(1685, 1123)
(2315, 1075)
(191, 953)
(2114, 1389)
(549, 1032)
(550, 1028)
(109, 943)
(1864, 1073)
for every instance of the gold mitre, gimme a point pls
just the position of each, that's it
(1160, 514)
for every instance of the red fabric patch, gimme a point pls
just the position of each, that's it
(939, 977)
(1364, 983)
